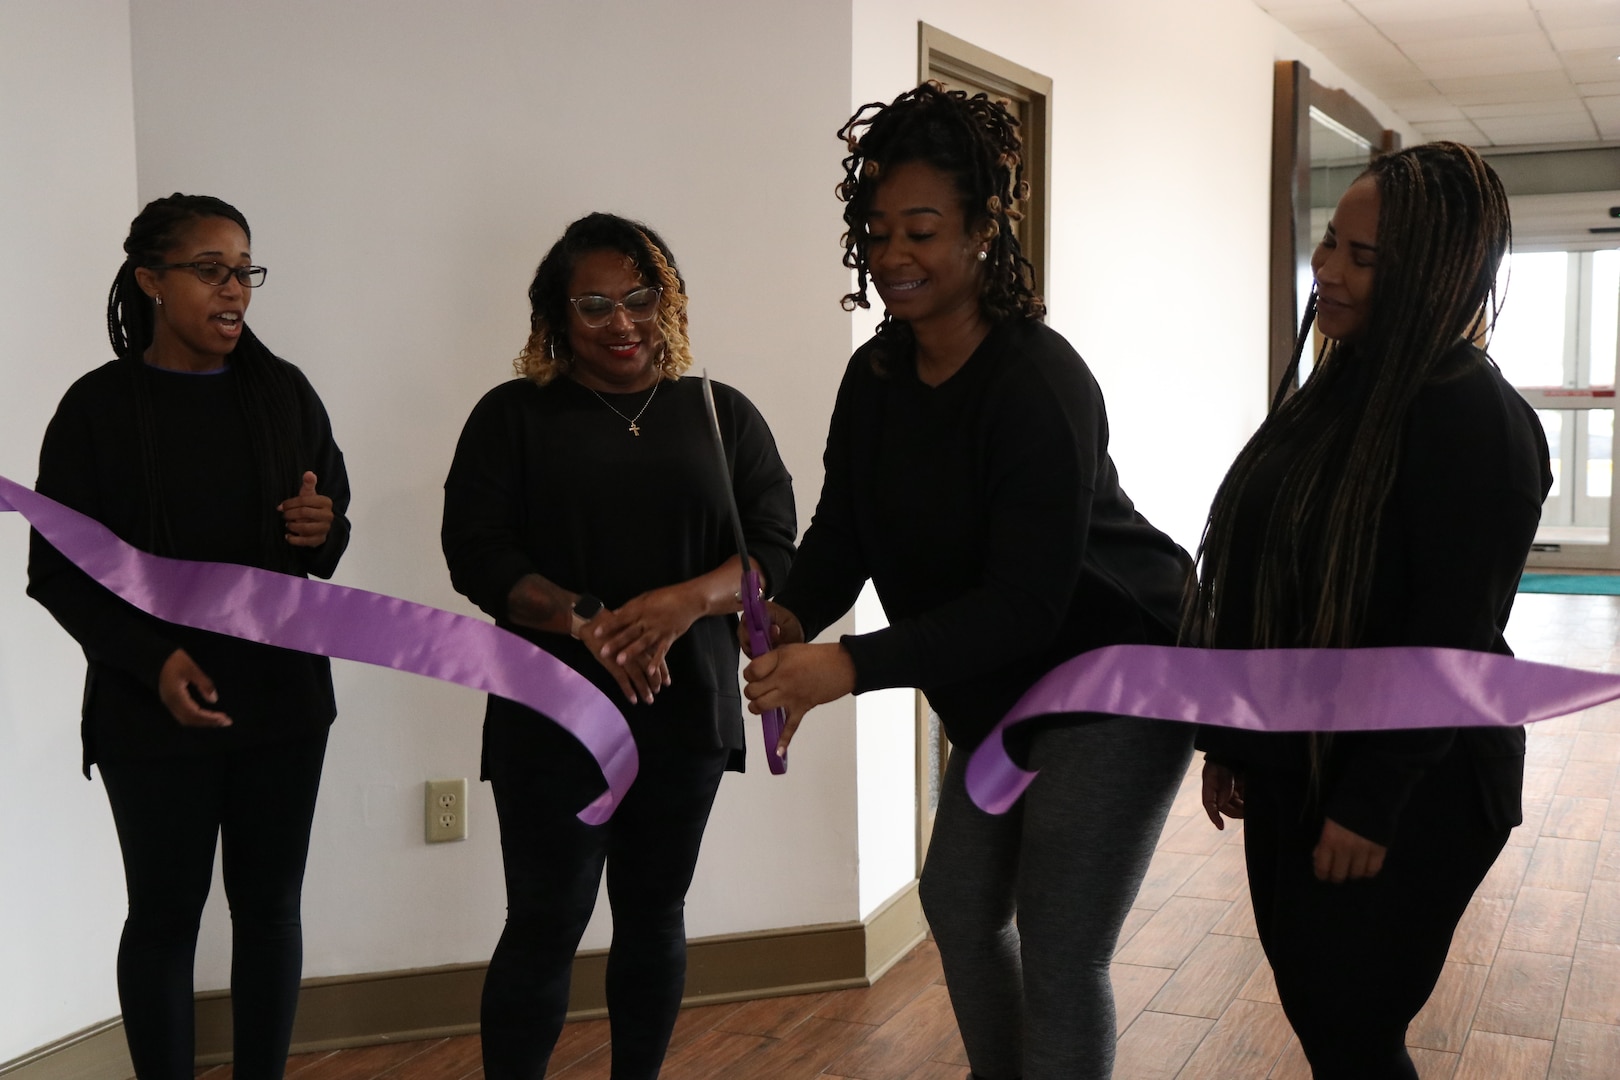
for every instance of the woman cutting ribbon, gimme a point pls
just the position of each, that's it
(1391, 501)
(585, 510)
(968, 477)
(198, 443)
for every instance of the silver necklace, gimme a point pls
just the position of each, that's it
(635, 429)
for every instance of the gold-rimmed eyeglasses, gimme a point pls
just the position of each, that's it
(596, 311)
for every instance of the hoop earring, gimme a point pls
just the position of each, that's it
(158, 300)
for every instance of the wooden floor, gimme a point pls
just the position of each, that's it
(1531, 990)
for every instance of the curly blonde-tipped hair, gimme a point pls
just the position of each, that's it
(546, 354)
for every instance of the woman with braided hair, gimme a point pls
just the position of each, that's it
(968, 477)
(585, 510)
(1391, 501)
(197, 442)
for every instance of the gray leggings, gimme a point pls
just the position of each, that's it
(1033, 999)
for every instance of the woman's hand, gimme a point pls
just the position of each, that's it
(308, 516)
(176, 681)
(1342, 855)
(1223, 793)
(640, 633)
(638, 681)
(796, 678)
(785, 628)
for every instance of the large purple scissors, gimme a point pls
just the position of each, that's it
(755, 617)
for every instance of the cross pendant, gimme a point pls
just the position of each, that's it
(635, 430)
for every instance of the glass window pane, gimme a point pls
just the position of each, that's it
(1605, 315)
(1552, 422)
(1528, 344)
(1599, 453)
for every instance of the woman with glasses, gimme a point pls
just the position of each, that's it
(1391, 501)
(968, 478)
(198, 442)
(586, 510)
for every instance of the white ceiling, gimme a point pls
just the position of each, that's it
(1483, 72)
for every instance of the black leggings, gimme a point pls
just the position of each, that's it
(257, 803)
(1355, 962)
(554, 867)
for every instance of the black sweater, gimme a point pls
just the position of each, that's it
(1472, 474)
(91, 461)
(548, 480)
(990, 518)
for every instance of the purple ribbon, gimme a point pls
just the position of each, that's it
(1324, 690)
(352, 624)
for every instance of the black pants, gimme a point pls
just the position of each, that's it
(1355, 962)
(257, 803)
(553, 867)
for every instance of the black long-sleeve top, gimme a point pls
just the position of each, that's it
(548, 480)
(989, 517)
(208, 491)
(1458, 524)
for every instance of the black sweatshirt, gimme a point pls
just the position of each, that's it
(548, 480)
(1472, 474)
(989, 517)
(91, 461)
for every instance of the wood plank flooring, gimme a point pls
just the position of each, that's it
(1531, 990)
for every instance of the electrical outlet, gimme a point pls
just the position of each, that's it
(446, 810)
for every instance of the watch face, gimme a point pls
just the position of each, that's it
(587, 607)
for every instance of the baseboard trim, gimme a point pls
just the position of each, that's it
(424, 1003)
(96, 1053)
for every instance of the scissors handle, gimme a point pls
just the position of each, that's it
(758, 621)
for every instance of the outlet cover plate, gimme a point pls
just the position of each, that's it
(445, 810)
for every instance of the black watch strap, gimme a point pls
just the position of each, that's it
(587, 607)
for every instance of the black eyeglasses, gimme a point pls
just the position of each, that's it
(214, 273)
(597, 311)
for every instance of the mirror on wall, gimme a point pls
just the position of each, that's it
(1321, 140)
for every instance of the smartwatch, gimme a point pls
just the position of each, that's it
(586, 608)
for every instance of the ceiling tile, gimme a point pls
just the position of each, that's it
(1448, 129)
(1592, 89)
(1521, 130)
(1470, 45)
(1571, 107)
(1393, 10)
(1605, 109)
(1535, 84)
(1406, 29)
(1349, 37)
(1543, 6)
(1576, 16)
(1490, 66)
(1427, 113)
(1305, 20)
(1591, 37)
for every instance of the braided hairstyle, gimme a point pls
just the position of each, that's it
(547, 354)
(972, 140)
(1443, 230)
(265, 384)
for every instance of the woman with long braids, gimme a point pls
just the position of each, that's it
(968, 477)
(585, 509)
(197, 442)
(1391, 501)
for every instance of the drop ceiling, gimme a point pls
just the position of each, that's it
(1490, 73)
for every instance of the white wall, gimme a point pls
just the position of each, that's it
(404, 166)
(67, 193)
